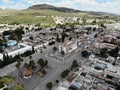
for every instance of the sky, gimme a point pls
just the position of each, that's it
(112, 6)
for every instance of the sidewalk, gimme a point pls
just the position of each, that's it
(7, 69)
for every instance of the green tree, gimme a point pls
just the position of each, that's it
(93, 22)
(6, 59)
(74, 64)
(30, 57)
(18, 65)
(33, 50)
(26, 66)
(65, 73)
(58, 39)
(1, 63)
(102, 25)
(114, 52)
(27, 28)
(103, 52)
(84, 20)
(84, 53)
(49, 85)
(41, 62)
(38, 25)
(62, 52)
(32, 64)
(64, 35)
(55, 48)
(46, 63)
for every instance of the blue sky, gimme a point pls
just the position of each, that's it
(112, 6)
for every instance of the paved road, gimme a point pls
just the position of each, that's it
(37, 83)
(60, 66)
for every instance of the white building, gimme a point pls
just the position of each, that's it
(18, 51)
(68, 47)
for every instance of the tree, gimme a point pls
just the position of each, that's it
(49, 85)
(51, 43)
(58, 39)
(6, 59)
(102, 25)
(18, 32)
(30, 57)
(41, 62)
(93, 22)
(65, 73)
(84, 20)
(26, 66)
(70, 38)
(74, 64)
(31, 37)
(62, 52)
(32, 64)
(1, 62)
(27, 28)
(18, 67)
(84, 53)
(63, 36)
(114, 63)
(33, 50)
(55, 48)
(57, 81)
(103, 52)
(46, 63)
(95, 36)
(114, 52)
(38, 25)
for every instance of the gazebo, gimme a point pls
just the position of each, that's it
(27, 73)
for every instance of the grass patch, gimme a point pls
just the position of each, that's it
(26, 19)
(7, 80)
(17, 87)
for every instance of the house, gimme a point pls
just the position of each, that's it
(109, 38)
(112, 72)
(76, 86)
(105, 45)
(63, 85)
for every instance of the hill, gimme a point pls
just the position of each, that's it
(65, 9)
(46, 6)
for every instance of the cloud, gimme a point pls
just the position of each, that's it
(5, 1)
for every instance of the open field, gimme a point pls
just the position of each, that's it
(30, 16)
(35, 16)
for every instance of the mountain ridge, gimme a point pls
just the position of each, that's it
(51, 7)
(65, 9)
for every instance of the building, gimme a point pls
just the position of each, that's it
(112, 72)
(105, 45)
(68, 46)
